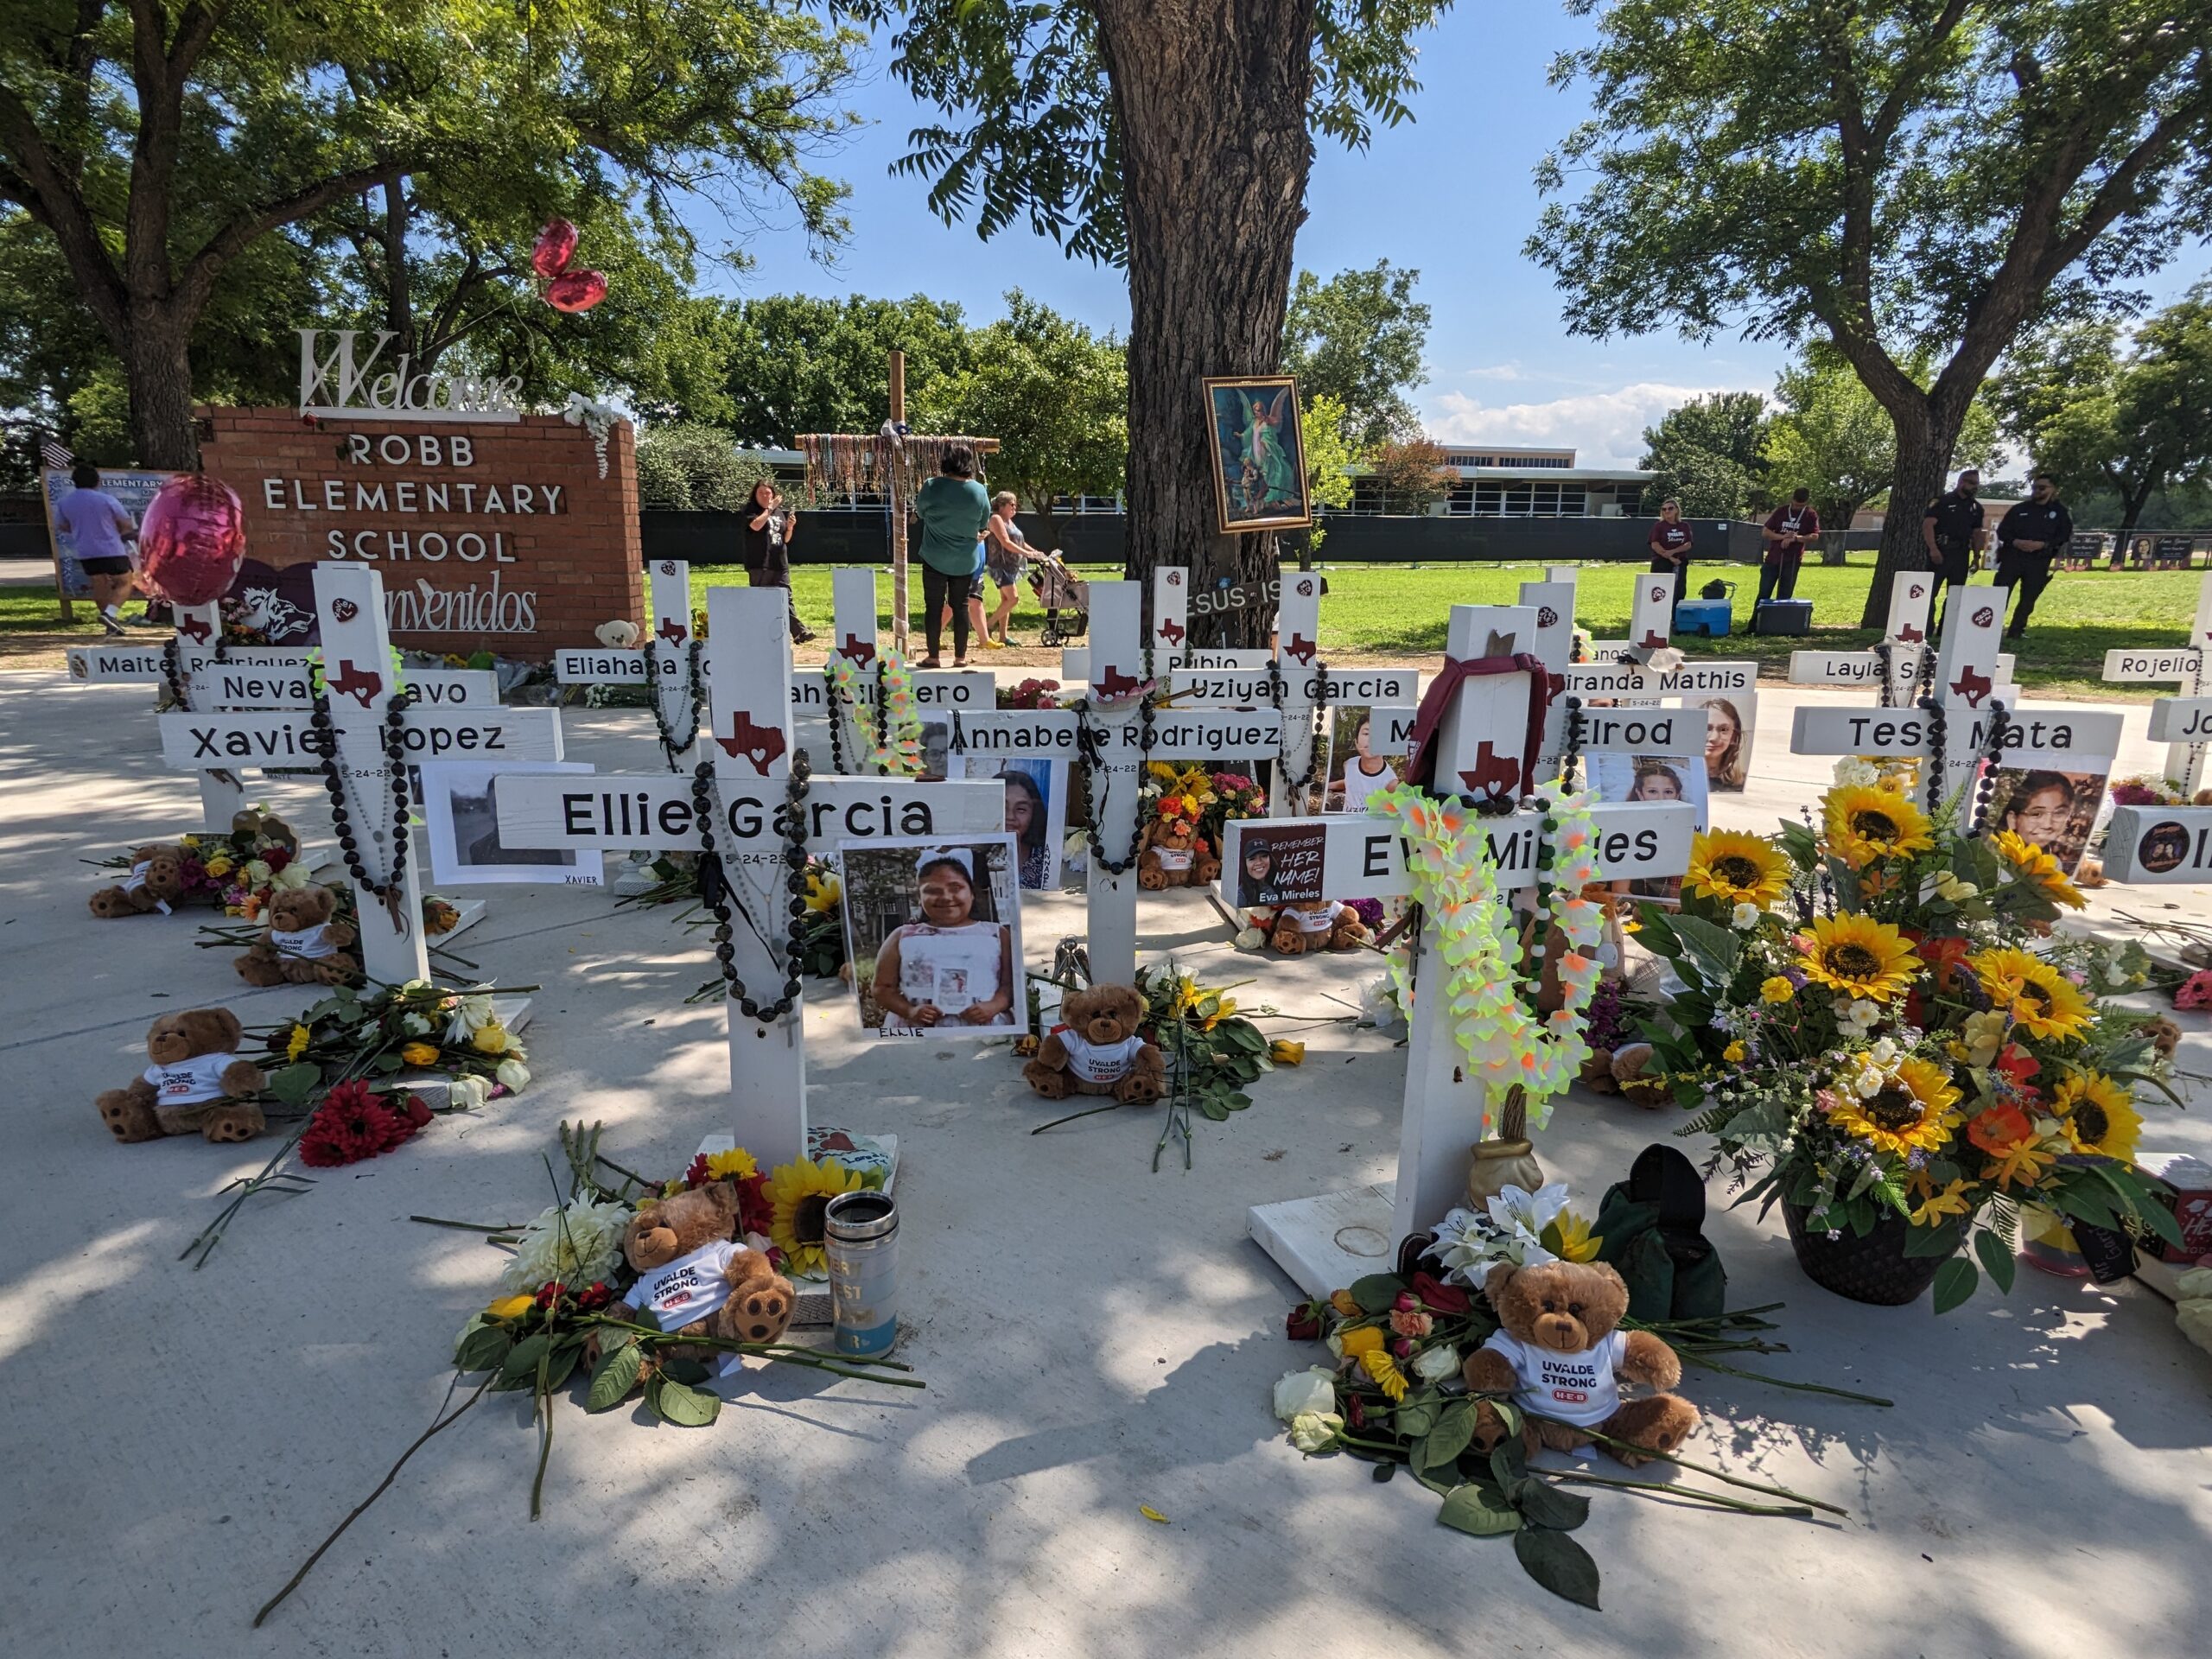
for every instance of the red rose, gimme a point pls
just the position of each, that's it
(1355, 1413)
(594, 1297)
(548, 1293)
(418, 1112)
(1301, 1324)
(277, 858)
(1443, 1298)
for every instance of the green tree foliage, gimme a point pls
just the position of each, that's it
(1357, 339)
(157, 143)
(2129, 423)
(692, 468)
(1330, 457)
(1829, 436)
(1053, 394)
(1926, 178)
(789, 363)
(1710, 455)
(1173, 139)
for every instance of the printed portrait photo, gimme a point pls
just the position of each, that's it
(1354, 772)
(2056, 810)
(461, 815)
(933, 929)
(1036, 810)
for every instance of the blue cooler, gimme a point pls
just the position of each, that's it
(1709, 616)
(1783, 616)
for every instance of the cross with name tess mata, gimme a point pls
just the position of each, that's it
(357, 658)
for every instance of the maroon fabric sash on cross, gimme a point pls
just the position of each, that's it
(1421, 760)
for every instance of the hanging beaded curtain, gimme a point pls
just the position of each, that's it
(879, 464)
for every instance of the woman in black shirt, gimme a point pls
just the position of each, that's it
(767, 528)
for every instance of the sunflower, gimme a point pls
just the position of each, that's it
(1864, 824)
(735, 1164)
(2095, 1112)
(1910, 1111)
(1859, 957)
(2031, 864)
(800, 1191)
(1736, 868)
(2041, 1001)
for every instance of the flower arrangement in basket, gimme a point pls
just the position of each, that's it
(1874, 1022)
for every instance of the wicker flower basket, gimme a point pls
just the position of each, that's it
(1872, 1267)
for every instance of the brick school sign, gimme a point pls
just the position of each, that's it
(496, 534)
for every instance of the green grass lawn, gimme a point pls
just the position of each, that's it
(1378, 610)
(1402, 610)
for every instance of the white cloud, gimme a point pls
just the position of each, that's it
(1606, 429)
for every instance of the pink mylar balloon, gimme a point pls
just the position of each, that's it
(555, 246)
(575, 290)
(191, 540)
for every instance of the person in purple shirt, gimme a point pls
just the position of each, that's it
(97, 523)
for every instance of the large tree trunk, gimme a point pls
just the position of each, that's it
(1209, 103)
(1918, 478)
(157, 366)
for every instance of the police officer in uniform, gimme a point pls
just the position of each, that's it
(2028, 536)
(1952, 533)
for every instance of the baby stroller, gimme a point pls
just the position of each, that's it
(1059, 589)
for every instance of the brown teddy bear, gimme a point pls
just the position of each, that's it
(1316, 924)
(1096, 1050)
(300, 943)
(1175, 856)
(1558, 1353)
(196, 1082)
(695, 1278)
(156, 880)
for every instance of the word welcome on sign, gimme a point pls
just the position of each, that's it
(337, 383)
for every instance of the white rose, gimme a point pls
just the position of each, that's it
(1250, 939)
(468, 1092)
(257, 873)
(1745, 916)
(514, 1074)
(1434, 1364)
(1315, 1431)
(293, 876)
(1301, 1392)
(416, 1025)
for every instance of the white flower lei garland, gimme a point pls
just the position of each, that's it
(1447, 856)
(896, 750)
(596, 418)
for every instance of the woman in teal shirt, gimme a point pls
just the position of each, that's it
(953, 507)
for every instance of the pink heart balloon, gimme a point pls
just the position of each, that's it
(575, 290)
(555, 246)
(191, 540)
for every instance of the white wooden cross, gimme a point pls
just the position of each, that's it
(357, 664)
(1325, 1243)
(1968, 683)
(748, 739)
(669, 630)
(2185, 741)
(1911, 594)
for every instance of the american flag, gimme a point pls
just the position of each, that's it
(57, 454)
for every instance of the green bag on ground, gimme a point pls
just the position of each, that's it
(1651, 1231)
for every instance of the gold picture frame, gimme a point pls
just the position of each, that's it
(1257, 441)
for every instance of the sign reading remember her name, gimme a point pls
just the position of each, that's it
(285, 738)
(618, 814)
(1627, 680)
(2159, 843)
(1364, 858)
(2032, 737)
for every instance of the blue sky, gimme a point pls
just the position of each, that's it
(1449, 194)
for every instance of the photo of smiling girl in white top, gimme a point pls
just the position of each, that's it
(947, 969)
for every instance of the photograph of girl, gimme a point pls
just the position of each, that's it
(1729, 723)
(1036, 810)
(1652, 778)
(2056, 810)
(1355, 771)
(933, 929)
